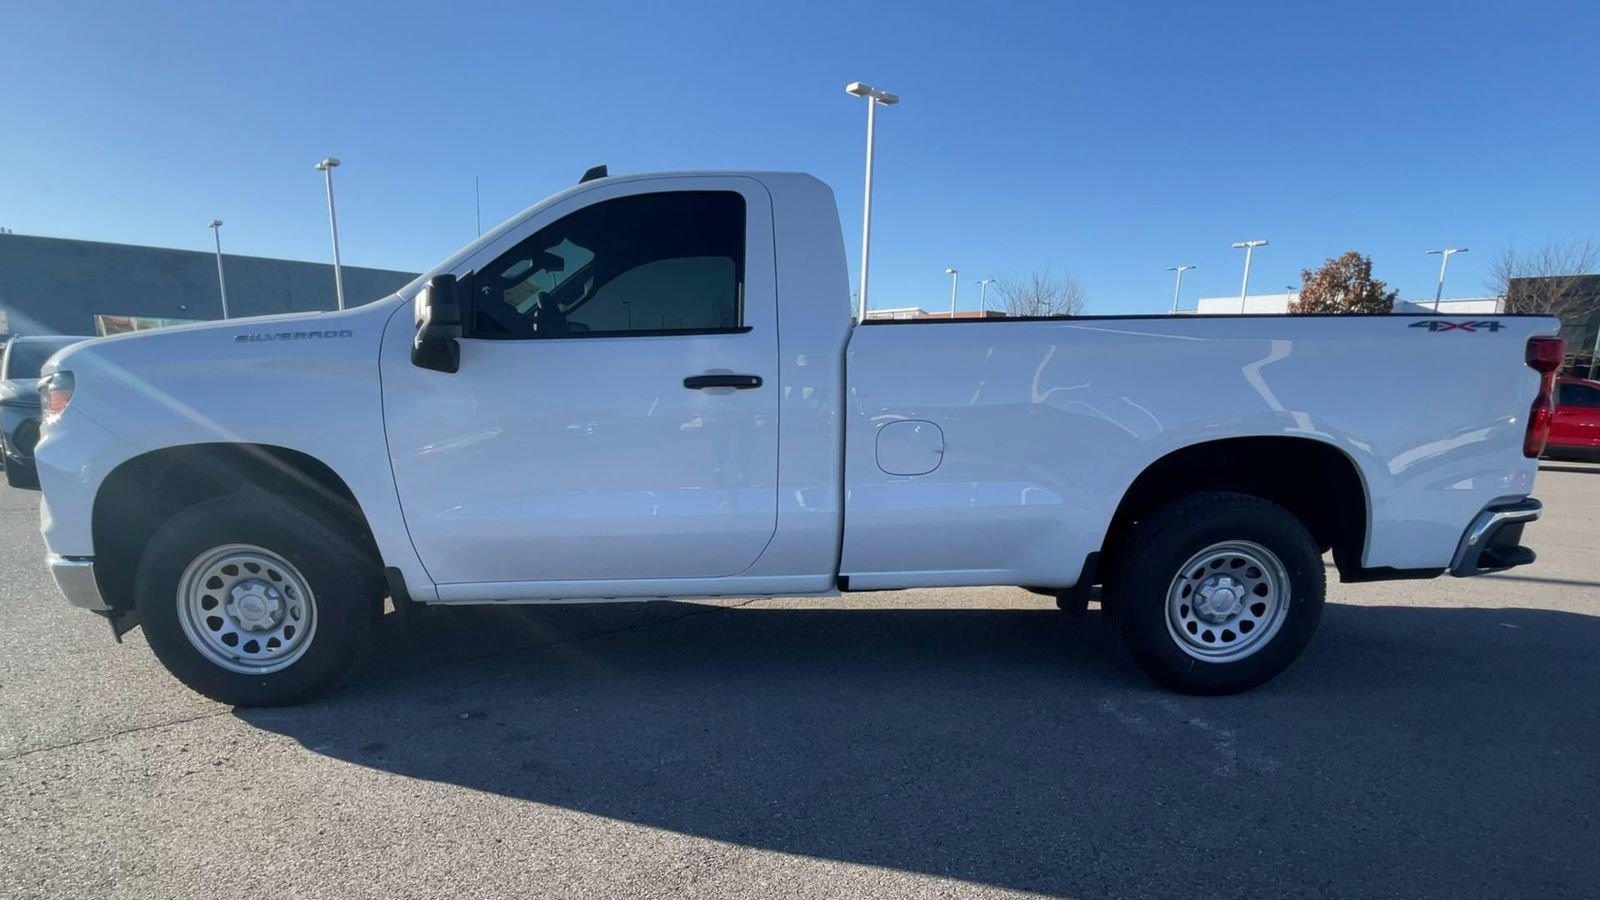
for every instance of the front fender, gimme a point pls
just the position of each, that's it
(308, 384)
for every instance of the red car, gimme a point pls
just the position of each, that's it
(1575, 432)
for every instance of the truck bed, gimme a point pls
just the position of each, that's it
(1037, 427)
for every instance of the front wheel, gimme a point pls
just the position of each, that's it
(253, 602)
(1218, 593)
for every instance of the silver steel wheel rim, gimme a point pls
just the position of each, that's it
(246, 609)
(1228, 601)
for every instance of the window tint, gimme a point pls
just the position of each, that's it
(1577, 395)
(651, 263)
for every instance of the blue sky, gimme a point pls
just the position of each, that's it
(1108, 139)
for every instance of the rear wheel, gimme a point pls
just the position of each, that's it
(1218, 593)
(253, 602)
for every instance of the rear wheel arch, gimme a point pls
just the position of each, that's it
(1317, 482)
(146, 491)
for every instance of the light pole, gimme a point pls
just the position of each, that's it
(326, 167)
(874, 97)
(222, 283)
(983, 294)
(1444, 262)
(953, 276)
(1288, 290)
(1179, 285)
(1249, 247)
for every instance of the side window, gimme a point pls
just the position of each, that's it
(667, 263)
(1578, 395)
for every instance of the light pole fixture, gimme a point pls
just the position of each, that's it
(222, 283)
(1249, 248)
(874, 97)
(1179, 285)
(983, 294)
(954, 275)
(326, 167)
(1444, 262)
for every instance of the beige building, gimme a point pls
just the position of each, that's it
(917, 312)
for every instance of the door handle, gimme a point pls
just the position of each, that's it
(737, 382)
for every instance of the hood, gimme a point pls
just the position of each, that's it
(226, 337)
(275, 380)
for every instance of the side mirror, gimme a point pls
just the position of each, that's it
(438, 322)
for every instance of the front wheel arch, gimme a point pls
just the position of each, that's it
(144, 492)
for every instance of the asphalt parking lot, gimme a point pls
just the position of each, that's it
(1438, 738)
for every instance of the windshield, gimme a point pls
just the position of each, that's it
(25, 357)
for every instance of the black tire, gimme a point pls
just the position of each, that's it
(335, 565)
(21, 474)
(1155, 556)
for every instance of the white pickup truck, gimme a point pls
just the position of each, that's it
(653, 386)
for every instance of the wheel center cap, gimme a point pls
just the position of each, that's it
(1218, 599)
(256, 605)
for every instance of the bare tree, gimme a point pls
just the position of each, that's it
(1553, 285)
(1042, 294)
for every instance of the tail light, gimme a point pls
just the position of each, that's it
(1544, 356)
(55, 392)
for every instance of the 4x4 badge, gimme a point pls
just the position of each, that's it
(1443, 325)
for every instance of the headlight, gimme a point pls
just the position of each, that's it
(55, 392)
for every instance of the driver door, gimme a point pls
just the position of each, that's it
(614, 416)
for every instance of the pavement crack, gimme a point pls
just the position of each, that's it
(80, 742)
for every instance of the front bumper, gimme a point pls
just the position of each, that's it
(19, 430)
(21, 440)
(75, 577)
(1493, 543)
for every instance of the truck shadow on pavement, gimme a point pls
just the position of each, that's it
(1410, 751)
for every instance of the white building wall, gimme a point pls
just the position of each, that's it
(1279, 303)
(1455, 306)
(904, 312)
(1255, 304)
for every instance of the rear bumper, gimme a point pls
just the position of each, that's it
(1584, 452)
(1493, 543)
(75, 577)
